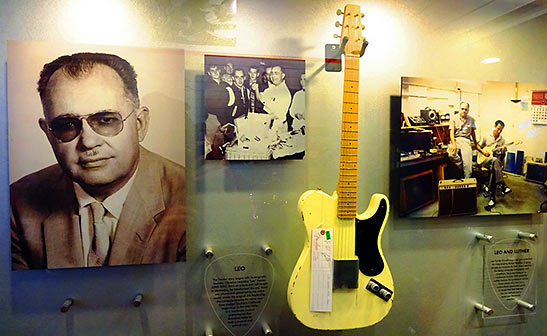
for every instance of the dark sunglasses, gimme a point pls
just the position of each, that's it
(67, 128)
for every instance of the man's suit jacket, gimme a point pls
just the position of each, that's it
(242, 101)
(45, 226)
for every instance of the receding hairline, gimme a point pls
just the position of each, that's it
(64, 73)
(78, 65)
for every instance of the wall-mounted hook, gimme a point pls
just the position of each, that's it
(343, 45)
(363, 47)
(66, 305)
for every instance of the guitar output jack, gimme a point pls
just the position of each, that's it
(379, 290)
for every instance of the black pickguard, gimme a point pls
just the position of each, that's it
(366, 238)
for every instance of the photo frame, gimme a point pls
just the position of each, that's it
(432, 180)
(66, 154)
(255, 108)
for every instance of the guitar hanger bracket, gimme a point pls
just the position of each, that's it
(343, 45)
(363, 47)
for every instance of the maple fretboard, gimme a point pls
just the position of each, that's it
(347, 179)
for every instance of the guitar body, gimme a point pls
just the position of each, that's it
(481, 158)
(490, 149)
(351, 308)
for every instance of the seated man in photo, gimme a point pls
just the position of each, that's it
(494, 161)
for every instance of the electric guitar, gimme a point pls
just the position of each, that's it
(490, 149)
(361, 291)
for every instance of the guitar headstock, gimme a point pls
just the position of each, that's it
(352, 28)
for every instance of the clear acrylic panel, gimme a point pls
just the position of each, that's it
(509, 276)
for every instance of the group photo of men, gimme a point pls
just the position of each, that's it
(469, 148)
(254, 108)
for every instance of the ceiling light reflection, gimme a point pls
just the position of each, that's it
(490, 60)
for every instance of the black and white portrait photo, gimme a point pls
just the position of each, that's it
(96, 149)
(254, 108)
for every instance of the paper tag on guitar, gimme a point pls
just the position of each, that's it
(321, 270)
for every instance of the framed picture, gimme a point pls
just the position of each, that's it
(90, 169)
(255, 108)
(468, 148)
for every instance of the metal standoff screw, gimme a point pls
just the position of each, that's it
(526, 305)
(487, 310)
(137, 300)
(208, 332)
(527, 235)
(267, 249)
(482, 236)
(266, 329)
(66, 305)
(208, 253)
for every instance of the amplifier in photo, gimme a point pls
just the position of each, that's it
(536, 172)
(457, 197)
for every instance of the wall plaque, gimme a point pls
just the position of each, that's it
(509, 275)
(238, 287)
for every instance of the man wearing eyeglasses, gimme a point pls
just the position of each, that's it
(108, 201)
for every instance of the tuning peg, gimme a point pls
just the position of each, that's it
(339, 12)
(337, 24)
(362, 27)
(336, 36)
(362, 15)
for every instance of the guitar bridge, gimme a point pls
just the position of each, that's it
(379, 290)
(346, 274)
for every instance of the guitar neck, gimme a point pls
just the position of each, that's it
(347, 179)
(509, 144)
(494, 146)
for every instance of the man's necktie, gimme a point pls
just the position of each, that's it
(100, 243)
(252, 100)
